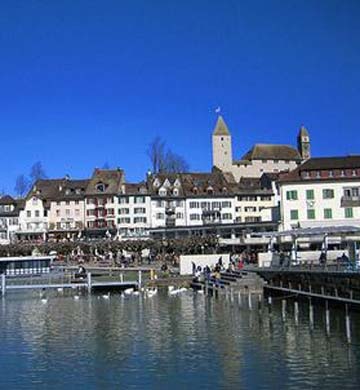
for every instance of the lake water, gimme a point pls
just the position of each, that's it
(186, 341)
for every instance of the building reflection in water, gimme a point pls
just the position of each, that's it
(152, 339)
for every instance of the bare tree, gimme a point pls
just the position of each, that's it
(37, 172)
(156, 153)
(22, 185)
(163, 159)
(174, 163)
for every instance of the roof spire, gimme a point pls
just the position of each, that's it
(221, 127)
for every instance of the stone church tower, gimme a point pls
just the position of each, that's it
(303, 141)
(222, 146)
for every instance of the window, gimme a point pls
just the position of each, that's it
(100, 187)
(294, 214)
(247, 198)
(310, 195)
(328, 193)
(159, 203)
(77, 202)
(331, 173)
(160, 216)
(227, 216)
(34, 201)
(349, 212)
(58, 213)
(37, 213)
(265, 197)
(311, 214)
(250, 209)
(124, 200)
(123, 220)
(77, 212)
(139, 199)
(140, 220)
(110, 211)
(291, 195)
(194, 217)
(67, 202)
(205, 205)
(162, 192)
(179, 215)
(216, 205)
(327, 213)
(139, 210)
(194, 205)
(67, 212)
(226, 205)
(124, 211)
(179, 203)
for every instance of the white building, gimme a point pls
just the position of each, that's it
(9, 218)
(260, 158)
(321, 192)
(133, 211)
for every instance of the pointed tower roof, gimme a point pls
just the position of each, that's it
(303, 132)
(221, 127)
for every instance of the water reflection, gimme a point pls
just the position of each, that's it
(187, 340)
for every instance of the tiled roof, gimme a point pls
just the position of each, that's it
(58, 189)
(7, 199)
(272, 152)
(112, 179)
(320, 164)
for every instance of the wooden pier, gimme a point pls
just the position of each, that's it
(87, 283)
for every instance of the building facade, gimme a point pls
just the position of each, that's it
(321, 192)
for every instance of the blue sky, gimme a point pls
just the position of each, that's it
(88, 81)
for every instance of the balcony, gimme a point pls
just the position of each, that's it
(353, 201)
(170, 210)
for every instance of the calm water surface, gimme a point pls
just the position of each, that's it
(171, 342)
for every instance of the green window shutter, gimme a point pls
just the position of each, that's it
(311, 214)
(310, 194)
(294, 214)
(327, 213)
(288, 195)
(349, 212)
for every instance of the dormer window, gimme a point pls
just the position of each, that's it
(195, 190)
(175, 192)
(342, 173)
(210, 190)
(177, 183)
(331, 174)
(166, 183)
(156, 183)
(318, 174)
(78, 191)
(353, 172)
(100, 187)
(67, 191)
(306, 175)
(162, 192)
(224, 189)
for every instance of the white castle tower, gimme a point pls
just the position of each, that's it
(222, 146)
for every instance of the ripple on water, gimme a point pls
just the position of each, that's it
(162, 342)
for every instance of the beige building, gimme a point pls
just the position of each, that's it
(261, 158)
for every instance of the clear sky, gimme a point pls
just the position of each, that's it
(86, 82)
